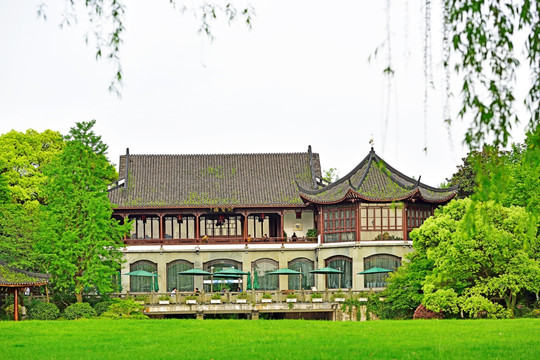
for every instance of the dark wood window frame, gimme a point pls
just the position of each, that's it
(339, 223)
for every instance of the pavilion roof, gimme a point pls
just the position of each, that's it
(374, 180)
(13, 277)
(217, 180)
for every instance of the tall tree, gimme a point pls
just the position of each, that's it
(81, 241)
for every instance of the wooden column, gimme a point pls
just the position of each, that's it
(282, 225)
(321, 220)
(404, 221)
(16, 305)
(245, 225)
(161, 228)
(197, 226)
(358, 225)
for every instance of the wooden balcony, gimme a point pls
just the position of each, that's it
(219, 240)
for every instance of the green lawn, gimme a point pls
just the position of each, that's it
(271, 339)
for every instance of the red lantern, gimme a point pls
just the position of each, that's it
(179, 217)
(298, 214)
(221, 218)
(143, 218)
(262, 216)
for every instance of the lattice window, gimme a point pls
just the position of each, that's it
(339, 223)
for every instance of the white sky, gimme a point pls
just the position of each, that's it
(300, 77)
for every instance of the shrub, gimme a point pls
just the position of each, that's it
(316, 295)
(164, 298)
(43, 311)
(10, 310)
(291, 296)
(266, 296)
(422, 312)
(124, 309)
(242, 295)
(78, 311)
(101, 307)
(216, 297)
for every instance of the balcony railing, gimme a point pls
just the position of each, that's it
(220, 240)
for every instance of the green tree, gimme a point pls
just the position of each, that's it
(22, 157)
(404, 292)
(18, 226)
(331, 175)
(479, 250)
(80, 240)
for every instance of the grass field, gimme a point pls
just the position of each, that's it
(270, 339)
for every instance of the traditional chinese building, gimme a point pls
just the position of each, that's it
(263, 212)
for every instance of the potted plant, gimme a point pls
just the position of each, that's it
(241, 298)
(316, 297)
(266, 298)
(291, 298)
(191, 300)
(215, 299)
(164, 299)
(338, 296)
(140, 299)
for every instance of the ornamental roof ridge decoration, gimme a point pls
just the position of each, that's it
(376, 181)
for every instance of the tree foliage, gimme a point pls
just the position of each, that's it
(22, 157)
(78, 236)
(478, 250)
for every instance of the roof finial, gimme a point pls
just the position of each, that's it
(372, 142)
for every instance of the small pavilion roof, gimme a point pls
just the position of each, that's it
(215, 180)
(13, 277)
(374, 180)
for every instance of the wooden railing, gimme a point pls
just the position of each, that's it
(219, 240)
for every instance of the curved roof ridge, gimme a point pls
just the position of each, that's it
(222, 154)
(339, 181)
(414, 181)
(370, 161)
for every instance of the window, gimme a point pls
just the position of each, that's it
(220, 225)
(179, 227)
(304, 266)
(416, 215)
(144, 227)
(383, 222)
(339, 223)
(263, 266)
(142, 283)
(385, 261)
(338, 281)
(180, 282)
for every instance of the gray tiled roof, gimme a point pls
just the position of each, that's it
(374, 180)
(221, 180)
(12, 277)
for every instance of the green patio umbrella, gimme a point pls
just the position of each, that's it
(230, 271)
(375, 270)
(328, 270)
(155, 286)
(249, 281)
(256, 285)
(119, 281)
(194, 272)
(286, 272)
(141, 273)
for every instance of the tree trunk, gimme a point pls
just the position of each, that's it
(78, 295)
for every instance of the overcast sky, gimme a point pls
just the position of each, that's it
(300, 77)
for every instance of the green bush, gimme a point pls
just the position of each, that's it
(43, 311)
(78, 311)
(124, 309)
(103, 306)
(10, 310)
